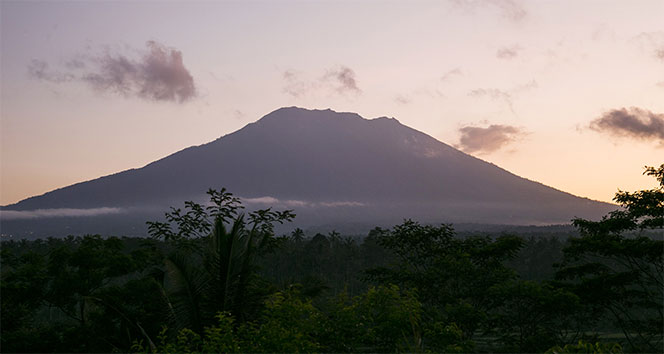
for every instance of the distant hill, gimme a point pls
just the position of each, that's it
(332, 168)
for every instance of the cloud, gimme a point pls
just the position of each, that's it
(340, 204)
(261, 200)
(494, 94)
(75, 64)
(54, 213)
(659, 53)
(635, 123)
(238, 114)
(530, 85)
(401, 99)
(159, 75)
(512, 10)
(429, 92)
(294, 85)
(603, 31)
(486, 140)
(340, 80)
(271, 201)
(652, 42)
(343, 78)
(39, 69)
(450, 74)
(507, 96)
(508, 52)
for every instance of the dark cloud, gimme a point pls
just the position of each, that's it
(512, 10)
(450, 74)
(489, 139)
(160, 75)
(633, 123)
(343, 78)
(508, 52)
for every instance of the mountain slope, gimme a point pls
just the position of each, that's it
(332, 167)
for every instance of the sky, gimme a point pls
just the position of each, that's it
(566, 93)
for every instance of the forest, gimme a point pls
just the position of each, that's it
(216, 278)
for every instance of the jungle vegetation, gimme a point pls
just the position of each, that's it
(214, 278)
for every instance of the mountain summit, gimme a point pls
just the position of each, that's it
(329, 167)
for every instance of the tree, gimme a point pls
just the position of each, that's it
(452, 275)
(617, 264)
(213, 267)
(67, 295)
(531, 317)
(383, 319)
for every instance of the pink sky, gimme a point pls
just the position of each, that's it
(567, 93)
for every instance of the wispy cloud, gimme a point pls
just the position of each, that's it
(659, 53)
(512, 10)
(291, 203)
(530, 85)
(294, 85)
(652, 42)
(340, 80)
(40, 70)
(271, 201)
(603, 32)
(494, 94)
(401, 99)
(507, 96)
(487, 140)
(340, 204)
(159, 75)
(55, 213)
(508, 52)
(451, 74)
(633, 122)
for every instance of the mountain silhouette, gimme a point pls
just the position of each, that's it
(329, 167)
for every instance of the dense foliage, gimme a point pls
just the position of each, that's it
(214, 279)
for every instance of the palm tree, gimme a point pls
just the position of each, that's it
(216, 275)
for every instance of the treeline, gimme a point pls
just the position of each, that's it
(216, 279)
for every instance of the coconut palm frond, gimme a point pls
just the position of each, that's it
(184, 286)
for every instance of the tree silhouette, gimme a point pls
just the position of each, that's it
(213, 267)
(617, 265)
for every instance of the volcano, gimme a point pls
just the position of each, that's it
(331, 168)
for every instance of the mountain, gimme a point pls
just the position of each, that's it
(332, 168)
